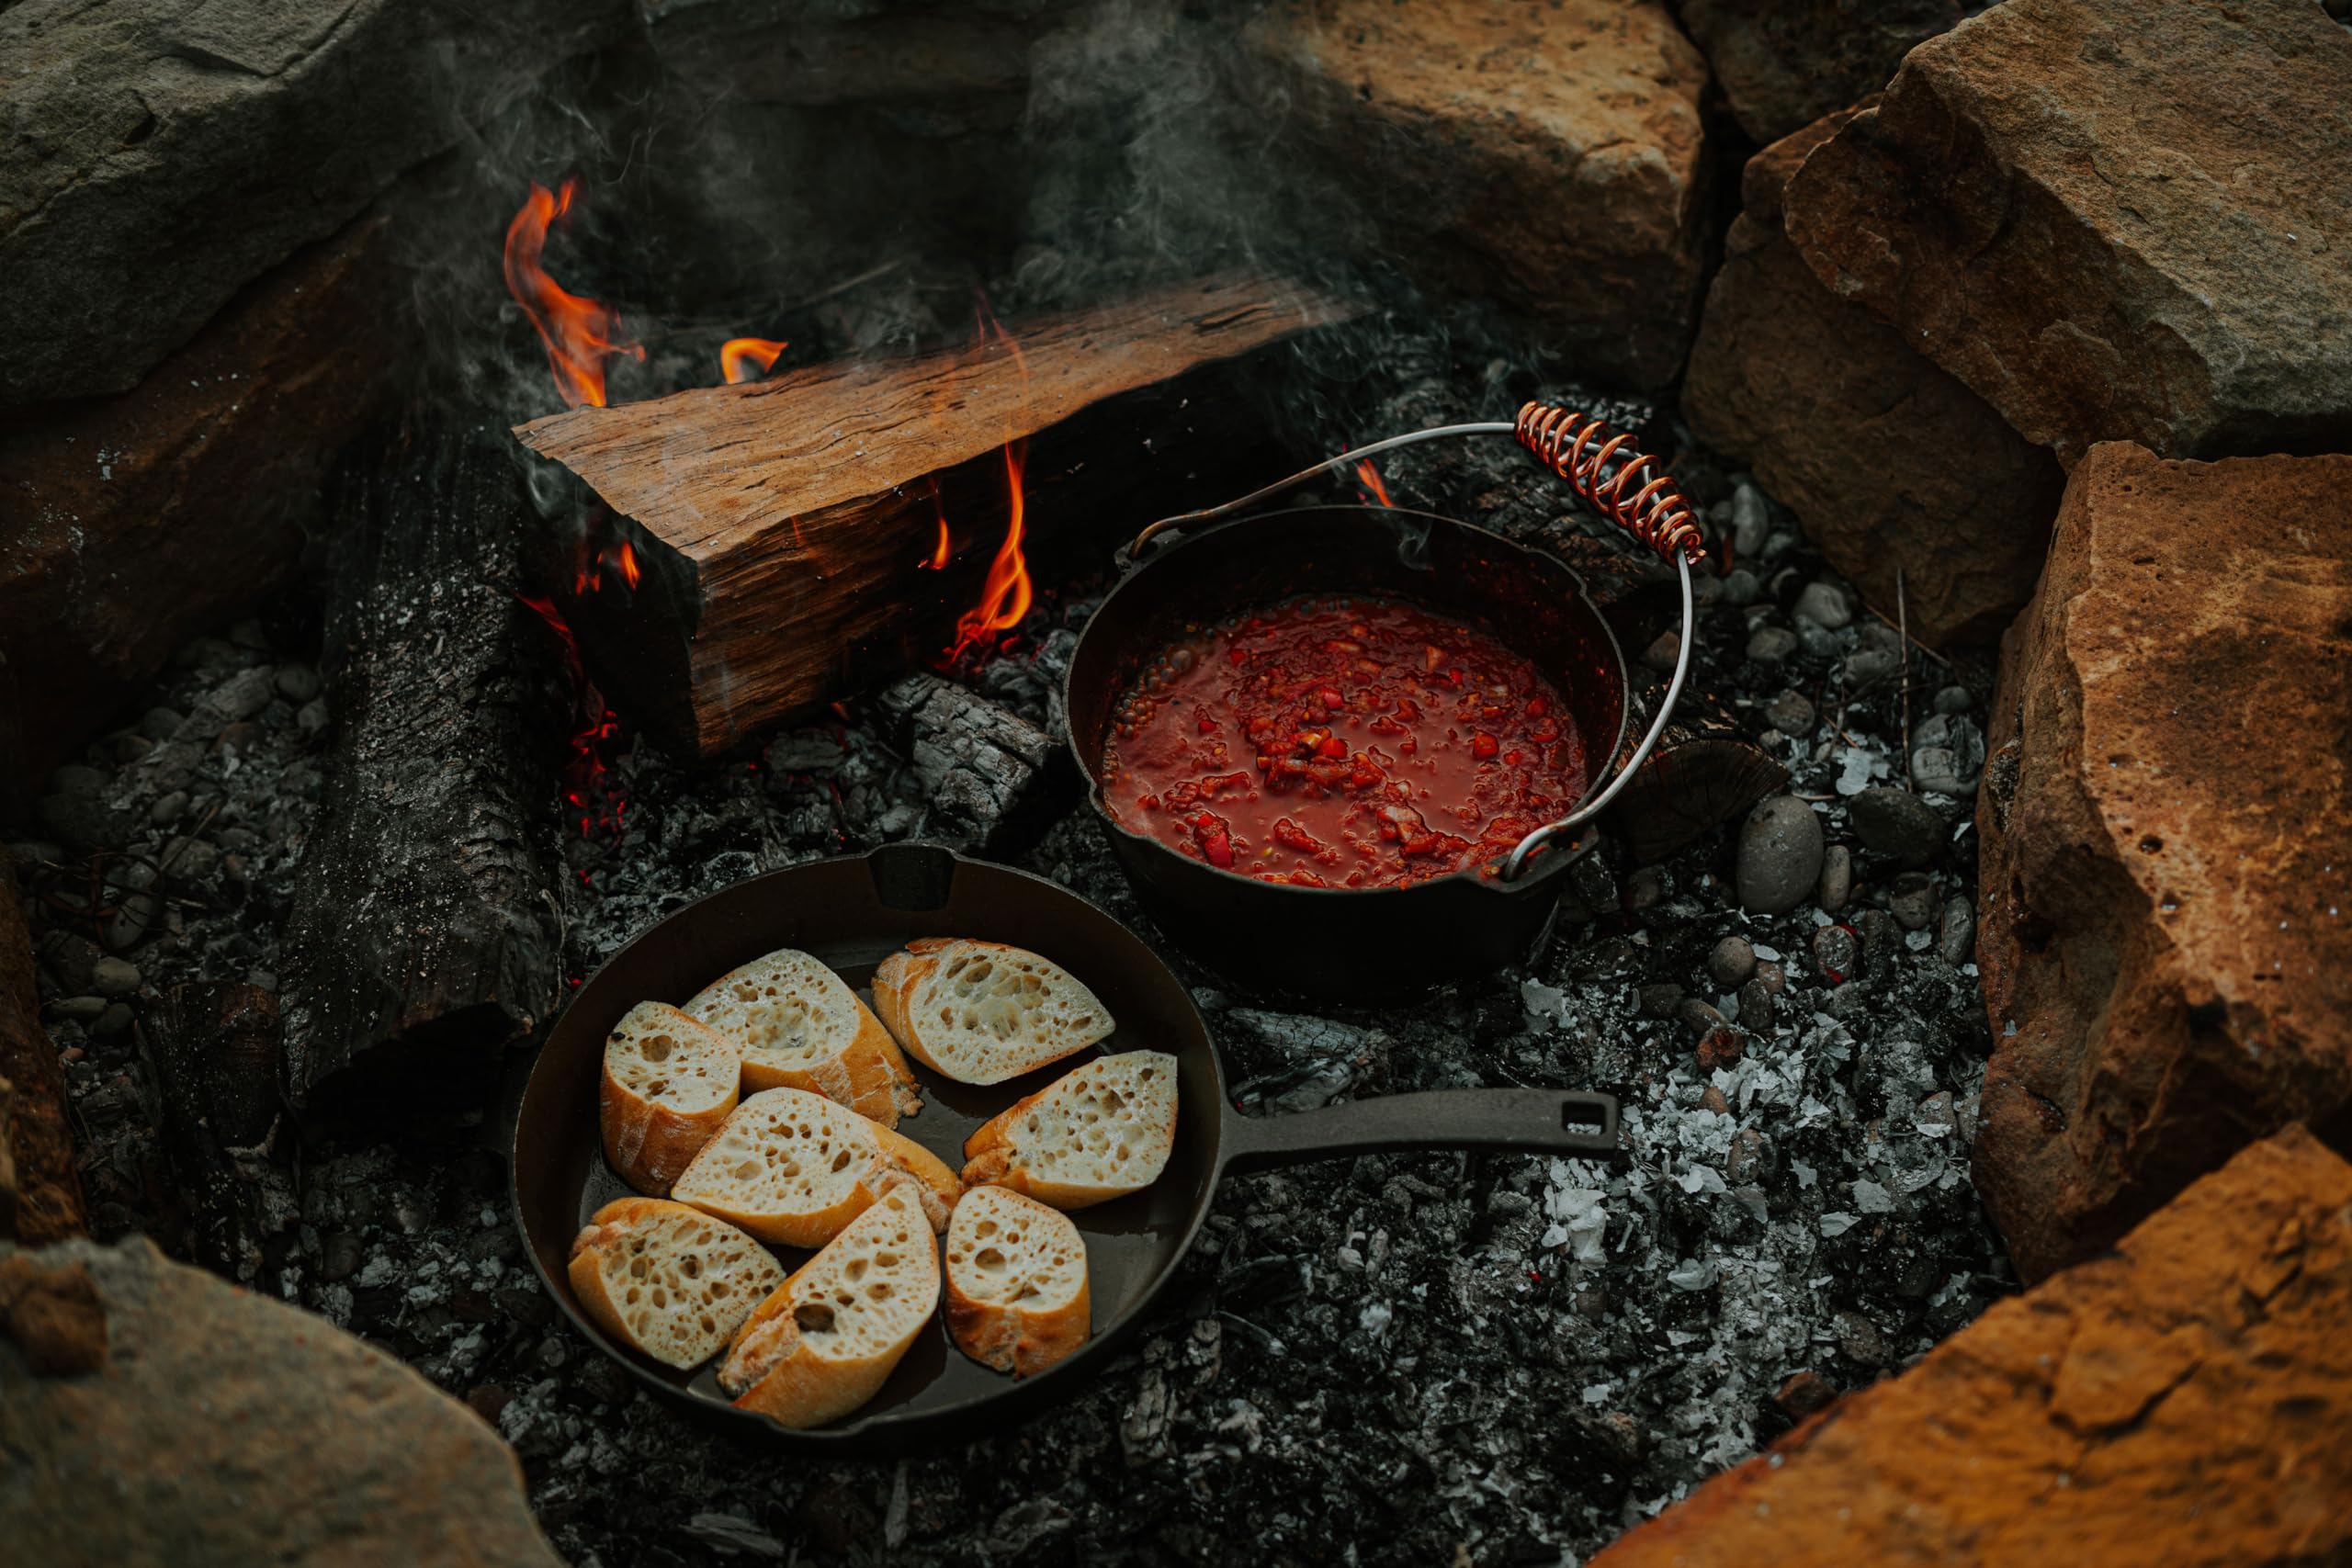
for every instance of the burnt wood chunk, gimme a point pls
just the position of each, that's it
(213, 1049)
(1705, 771)
(977, 762)
(424, 935)
(779, 524)
(41, 1190)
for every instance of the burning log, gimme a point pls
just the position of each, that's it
(1703, 772)
(774, 530)
(213, 1049)
(426, 932)
(41, 1192)
(978, 761)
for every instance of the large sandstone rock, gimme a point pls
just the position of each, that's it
(1784, 63)
(151, 1414)
(2114, 219)
(2167, 864)
(158, 157)
(40, 1188)
(1548, 158)
(2186, 1400)
(132, 522)
(1891, 464)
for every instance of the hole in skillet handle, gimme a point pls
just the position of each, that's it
(915, 877)
(1591, 1119)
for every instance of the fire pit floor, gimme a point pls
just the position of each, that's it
(1392, 1359)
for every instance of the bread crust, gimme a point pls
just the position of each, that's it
(870, 1076)
(775, 1369)
(1021, 1340)
(610, 1227)
(993, 1157)
(648, 1142)
(897, 977)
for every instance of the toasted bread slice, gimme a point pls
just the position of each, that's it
(669, 1084)
(795, 1168)
(801, 1027)
(1091, 1135)
(823, 1343)
(981, 1012)
(1017, 1295)
(669, 1281)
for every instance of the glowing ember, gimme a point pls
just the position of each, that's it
(631, 571)
(1370, 477)
(590, 790)
(737, 356)
(580, 333)
(1005, 597)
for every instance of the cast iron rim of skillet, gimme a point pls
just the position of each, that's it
(1085, 740)
(851, 912)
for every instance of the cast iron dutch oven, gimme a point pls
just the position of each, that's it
(1384, 944)
(852, 913)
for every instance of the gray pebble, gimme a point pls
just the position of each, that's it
(1819, 642)
(169, 809)
(1791, 713)
(1731, 961)
(80, 1010)
(312, 717)
(113, 977)
(1769, 645)
(1751, 522)
(1896, 824)
(1948, 754)
(1836, 954)
(297, 683)
(1740, 588)
(1872, 667)
(245, 694)
(113, 1023)
(161, 724)
(1959, 937)
(1953, 699)
(1660, 1000)
(1660, 655)
(1779, 855)
(1772, 978)
(1911, 900)
(1699, 1016)
(1756, 1006)
(129, 925)
(1836, 883)
(1645, 889)
(1824, 603)
(72, 957)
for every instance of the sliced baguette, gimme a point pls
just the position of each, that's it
(669, 1281)
(1017, 1295)
(1091, 1135)
(824, 1342)
(669, 1084)
(801, 1027)
(794, 1168)
(981, 1012)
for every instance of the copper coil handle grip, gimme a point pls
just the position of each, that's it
(1625, 485)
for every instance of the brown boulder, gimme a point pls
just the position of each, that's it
(2114, 219)
(40, 1189)
(2185, 1400)
(152, 1414)
(2167, 937)
(1890, 463)
(1548, 158)
(135, 521)
(1784, 63)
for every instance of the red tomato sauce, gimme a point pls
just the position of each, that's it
(1341, 742)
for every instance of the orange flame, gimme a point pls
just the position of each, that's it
(738, 355)
(590, 787)
(1004, 598)
(937, 559)
(631, 571)
(580, 333)
(1371, 477)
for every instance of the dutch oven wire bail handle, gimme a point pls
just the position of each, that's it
(1620, 482)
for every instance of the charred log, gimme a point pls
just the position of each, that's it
(41, 1190)
(1705, 771)
(213, 1050)
(983, 768)
(424, 935)
(775, 528)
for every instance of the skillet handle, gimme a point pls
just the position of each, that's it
(1572, 1123)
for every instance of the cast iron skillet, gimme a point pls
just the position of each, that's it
(851, 913)
(1337, 944)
